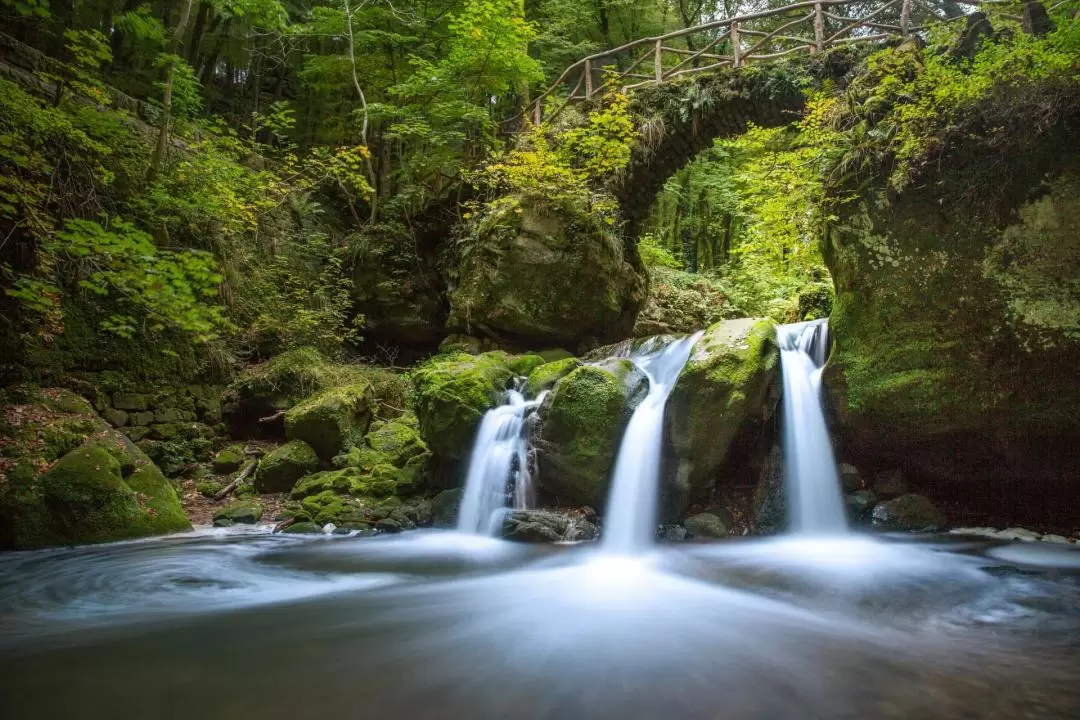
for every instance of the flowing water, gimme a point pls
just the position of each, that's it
(815, 503)
(498, 466)
(635, 484)
(443, 626)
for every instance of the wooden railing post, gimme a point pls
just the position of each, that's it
(736, 60)
(819, 29)
(658, 62)
(588, 79)
(905, 17)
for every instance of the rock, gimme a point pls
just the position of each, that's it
(672, 533)
(720, 396)
(680, 303)
(279, 471)
(522, 365)
(141, 419)
(331, 420)
(246, 512)
(1036, 20)
(890, 484)
(705, 525)
(229, 459)
(86, 497)
(389, 525)
(957, 320)
(135, 434)
(541, 274)
(395, 443)
(770, 501)
(544, 377)
(850, 477)
(546, 526)
(208, 488)
(452, 393)
(909, 512)
(131, 401)
(578, 429)
(860, 505)
(116, 418)
(445, 506)
(303, 528)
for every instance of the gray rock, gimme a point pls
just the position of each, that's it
(445, 506)
(860, 505)
(546, 526)
(706, 525)
(116, 418)
(909, 512)
(672, 533)
(850, 477)
(890, 484)
(770, 505)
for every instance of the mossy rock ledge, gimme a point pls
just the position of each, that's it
(721, 397)
(533, 275)
(578, 429)
(957, 328)
(332, 420)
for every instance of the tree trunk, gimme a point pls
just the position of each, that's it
(166, 101)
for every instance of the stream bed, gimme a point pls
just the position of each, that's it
(434, 624)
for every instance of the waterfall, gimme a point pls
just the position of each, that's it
(632, 503)
(499, 462)
(815, 503)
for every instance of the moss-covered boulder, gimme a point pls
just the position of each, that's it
(538, 274)
(104, 490)
(241, 512)
(280, 469)
(391, 448)
(229, 459)
(957, 320)
(451, 394)
(578, 429)
(719, 400)
(332, 420)
(543, 377)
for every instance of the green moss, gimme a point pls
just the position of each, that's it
(280, 470)
(208, 488)
(246, 512)
(544, 377)
(582, 422)
(331, 420)
(229, 459)
(452, 392)
(524, 364)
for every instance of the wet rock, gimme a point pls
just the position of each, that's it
(909, 512)
(241, 512)
(672, 533)
(720, 395)
(890, 484)
(706, 525)
(850, 477)
(546, 526)
(770, 504)
(389, 525)
(279, 470)
(303, 528)
(860, 505)
(445, 506)
(579, 426)
(545, 376)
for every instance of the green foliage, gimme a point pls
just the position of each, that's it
(186, 90)
(30, 8)
(655, 255)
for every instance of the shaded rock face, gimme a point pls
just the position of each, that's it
(100, 487)
(280, 470)
(706, 525)
(547, 526)
(721, 399)
(957, 329)
(578, 428)
(538, 276)
(909, 512)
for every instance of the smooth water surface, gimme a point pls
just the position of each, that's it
(444, 625)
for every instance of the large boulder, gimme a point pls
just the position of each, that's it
(280, 469)
(68, 478)
(391, 449)
(452, 392)
(239, 512)
(579, 427)
(537, 275)
(543, 526)
(909, 512)
(957, 323)
(331, 420)
(721, 398)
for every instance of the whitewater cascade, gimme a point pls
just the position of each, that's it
(498, 462)
(632, 502)
(815, 503)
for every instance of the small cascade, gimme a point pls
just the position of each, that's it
(632, 503)
(815, 503)
(498, 474)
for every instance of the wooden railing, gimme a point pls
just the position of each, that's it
(813, 26)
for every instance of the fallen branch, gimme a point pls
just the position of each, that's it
(271, 418)
(284, 524)
(244, 474)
